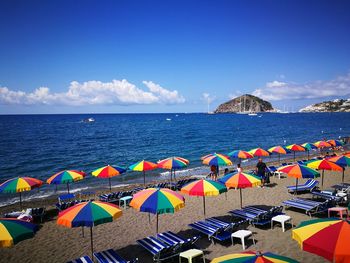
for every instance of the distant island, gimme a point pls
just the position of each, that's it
(338, 105)
(245, 104)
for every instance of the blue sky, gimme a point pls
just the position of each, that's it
(162, 56)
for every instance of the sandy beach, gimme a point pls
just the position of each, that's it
(53, 243)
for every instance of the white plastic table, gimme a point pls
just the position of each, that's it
(282, 219)
(190, 254)
(125, 200)
(242, 234)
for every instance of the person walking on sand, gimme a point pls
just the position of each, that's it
(261, 171)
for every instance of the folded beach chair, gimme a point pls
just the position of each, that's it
(160, 250)
(309, 206)
(309, 185)
(110, 256)
(85, 259)
(300, 162)
(213, 232)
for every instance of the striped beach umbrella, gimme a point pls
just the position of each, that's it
(342, 161)
(278, 149)
(295, 148)
(203, 187)
(322, 144)
(172, 164)
(239, 181)
(324, 165)
(217, 159)
(259, 152)
(335, 143)
(19, 185)
(89, 214)
(66, 177)
(326, 237)
(298, 171)
(13, 231)
(157, 201)
(143, 166)
(240, 155)
(253, 257)
(108, 172)
(308, 147)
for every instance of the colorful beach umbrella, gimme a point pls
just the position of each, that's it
(239, 181)
(324, 165)
(326, 237)
(157, 201)
(239, 154)
(108, 172)
(66, 177)
(143, 166)
(295, 148)
(217, 159)
(253, 257)
(13, 231)
(19, 185)
(308, 146)
(278, 149)
(203, 187)
(342, 161)
(259, 152)
(172, 164)
(89, 214)
(298, 171)
(335, 143)
(322, 144)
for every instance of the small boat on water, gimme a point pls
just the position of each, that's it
(87, 120)
(252, 114)
(168, 119)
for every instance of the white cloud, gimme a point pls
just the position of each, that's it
(277, 90)
(119, 92)
(165, 95)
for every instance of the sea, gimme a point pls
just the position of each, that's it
(42, 145)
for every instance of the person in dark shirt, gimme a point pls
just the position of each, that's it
(261, 171)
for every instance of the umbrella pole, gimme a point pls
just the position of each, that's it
(204, 204)
(308, 154)
(296, 185)
(322, 177)
(55, 187)
(82, 231)
(68, 187)
(144, 178)
(294, 156)
(149, 218)
(20, 200)
(174, 174)
(240, 193)
(110, 186)
(279, 159)
(92, 243)
(157, 223)
(342, 180)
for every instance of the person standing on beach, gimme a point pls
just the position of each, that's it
(239, 168)
(213, 173)
(261, 171)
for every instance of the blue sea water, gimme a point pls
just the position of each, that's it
(41, 145)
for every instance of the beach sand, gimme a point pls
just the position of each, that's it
(53, 243)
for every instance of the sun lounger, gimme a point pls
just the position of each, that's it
(110, 256)
(309, 185)
(173, 239)
(85, 259)
(213, 232)
(160, 250)
(309, 206)
(328, 195)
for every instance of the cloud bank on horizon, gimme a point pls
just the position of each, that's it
(117, 92)
(280, 90)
